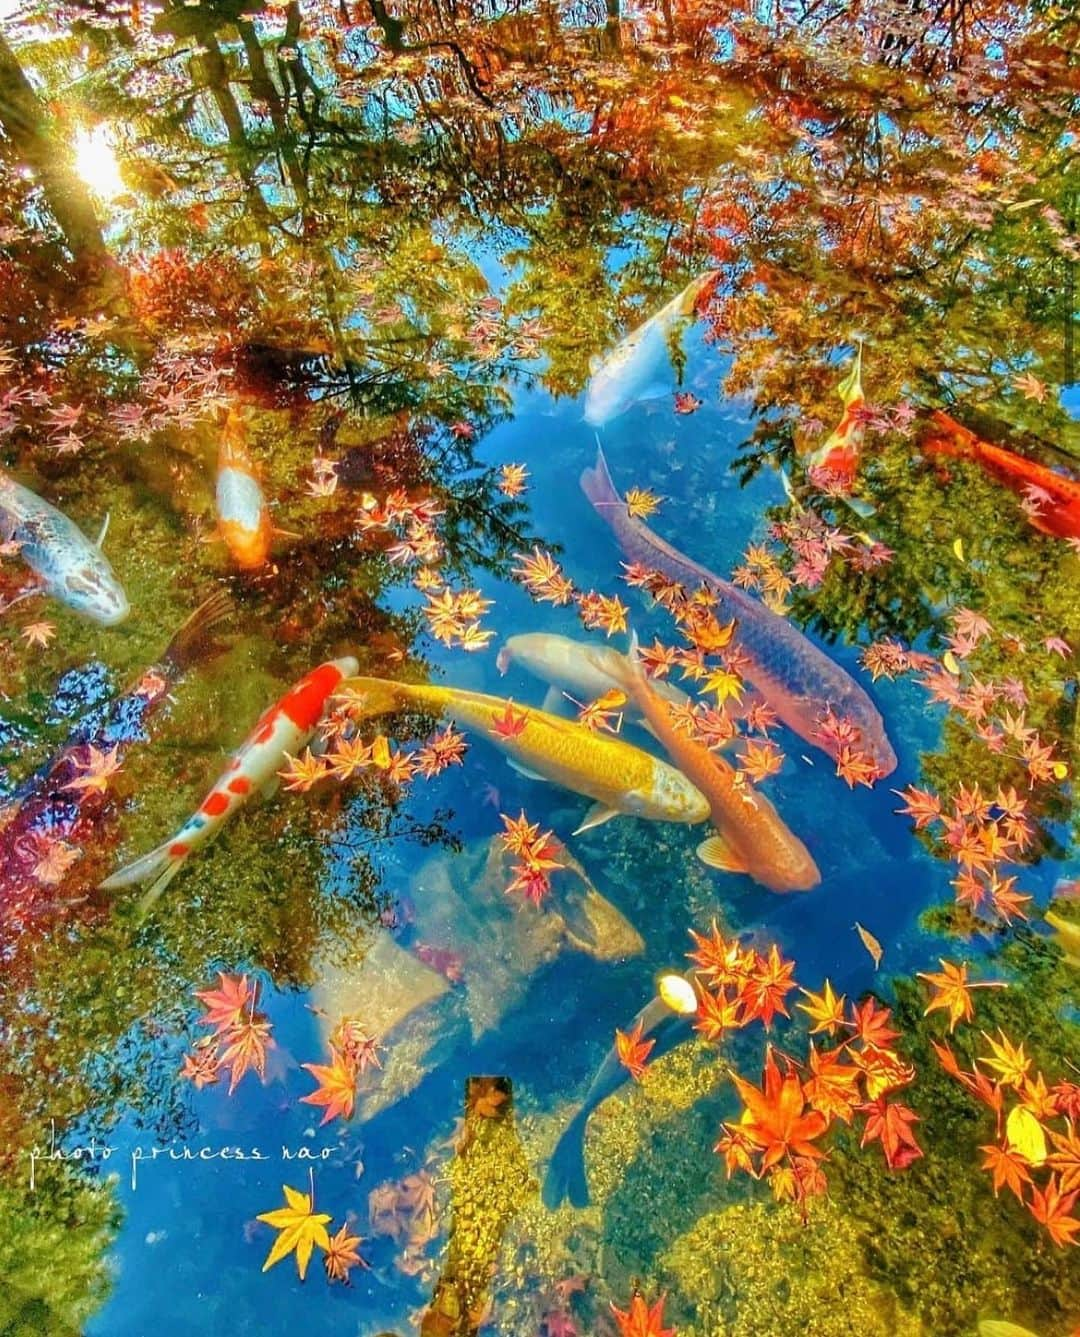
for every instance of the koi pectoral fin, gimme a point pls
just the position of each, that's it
(524, 770)
(597, 815)
(104, 530)
(718, 854)
(555, 703)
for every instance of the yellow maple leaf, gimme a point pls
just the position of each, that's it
(301, 1229)
(823, 1008)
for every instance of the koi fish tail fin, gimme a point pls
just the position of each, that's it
(565, 1180)
(369, 697)
(186, 645)
(596, 482)
(161, 864)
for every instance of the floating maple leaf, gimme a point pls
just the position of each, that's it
(685, 402)
(337, 1087)
(512, 479)
(641, 1320)
(38, 633)
(248, 1043)
(952, 991)
(1053, 1209)
(1030, 386)
(299, 774)
(632, 1050)
(1008, 1169)
(231, 1003)
(889, 1123)
(824, 1009)
(342, 1255)
(641, 503)
(510, 723)
(301, 1229)
(774, 1120)
(96, 769)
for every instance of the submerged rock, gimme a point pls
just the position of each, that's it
(489, 946)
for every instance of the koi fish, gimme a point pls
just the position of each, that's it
(46, 808)
(621, 778)
(666, 1021)
(287, 726)
(639, 365)
(243, 515)
(576, 668)
(751, 837)
(799, 681)
(1056, 513)
(68, 566)
(840, 453)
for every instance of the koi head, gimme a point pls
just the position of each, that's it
(670, 798)
(91, 589)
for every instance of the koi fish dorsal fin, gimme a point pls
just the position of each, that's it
(716, 853)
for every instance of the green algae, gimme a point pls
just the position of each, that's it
(756, 1270)
(53, 1243)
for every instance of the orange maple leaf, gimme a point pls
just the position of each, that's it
(1009, 1169)
(342, 1255)
(774, 1118)
(952, 991)
(1053, 1209)
(763, 993)
(229, 1004)
(641, 1320)
(337, 1087)
(247, 1049)
(633, 1050)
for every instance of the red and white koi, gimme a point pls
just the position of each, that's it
(243, 515)
(286, 727)
(840, 453)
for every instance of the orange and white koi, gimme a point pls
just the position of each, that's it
(243, 515)
(840, 453)
(286, 727)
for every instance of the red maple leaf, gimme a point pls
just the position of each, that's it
(889, 1123)
(510, 723)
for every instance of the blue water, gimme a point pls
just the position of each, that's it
(190, 1243)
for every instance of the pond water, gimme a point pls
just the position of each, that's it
(660, 424)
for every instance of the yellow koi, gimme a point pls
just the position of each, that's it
(620, 778)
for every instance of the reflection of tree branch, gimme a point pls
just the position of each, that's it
(216, 80)
(23, 120)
